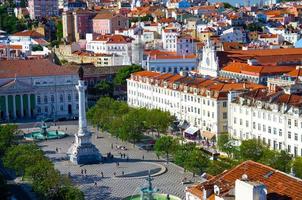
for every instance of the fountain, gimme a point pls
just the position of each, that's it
(150, 193)
(44, 134)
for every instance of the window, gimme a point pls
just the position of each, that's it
(288, 148)
(275, 131)
(269, 129)
(289, 135)
(38, 99)
(263, 128)
(296, 123)
(61, 98)
(289, 122)
(296, 136)
(235, 120)
(45, 99)
(69, 97)
(224, 115)
(52, 98)
(247, 123)
(224, 104)
(280, 132)
(254, 125)
(240, 121)
(259, 127)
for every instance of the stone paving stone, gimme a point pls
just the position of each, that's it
(110, 187)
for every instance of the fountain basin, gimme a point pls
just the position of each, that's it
(156, 196)
(37, 135)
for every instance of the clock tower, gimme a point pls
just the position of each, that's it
(209, 63)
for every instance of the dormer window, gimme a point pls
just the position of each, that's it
(174, 86)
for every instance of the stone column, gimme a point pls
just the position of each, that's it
(6, 107)
(21, 107)
(28, 105)
(82, 105)
(14, 106)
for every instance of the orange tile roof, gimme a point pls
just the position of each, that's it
(15, 47)
(295, 73)
(29, 33)
(119, 39)
(244, 68)
(221, 87)
(280, 186)
(157, 54)
(28, 68)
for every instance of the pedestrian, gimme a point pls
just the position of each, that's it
(85, 171)
(121, 155)
(95, 184)
(123, 173)
(143, 157)
(82, 171)
(114, 173)
(57, 149)
(102, 174)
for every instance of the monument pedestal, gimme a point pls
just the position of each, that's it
(82, 151)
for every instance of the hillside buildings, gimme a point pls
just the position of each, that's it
(43, 8)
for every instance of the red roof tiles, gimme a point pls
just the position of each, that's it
(28, 68)
(280, 186)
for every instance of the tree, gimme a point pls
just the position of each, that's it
(4, 191)
(21, 157)
(278, 160)
(165, 145)
(254, 27)
(105, 88)
(196, 162)
(124, 73)
(216, 167)
(158, 120)
(251, 150)
(59, 30)
(37, 48)
(297, 166)
(182, 152)
(7, 137)
(132, 126)
(70, 193)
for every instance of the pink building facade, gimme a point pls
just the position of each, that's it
(109, 23)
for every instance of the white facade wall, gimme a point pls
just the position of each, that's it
(277, 129)
(169, 40)
(204, 112)
(170, 65)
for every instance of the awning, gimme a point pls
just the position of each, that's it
(183, 124)
(191, 130)
(207, 134)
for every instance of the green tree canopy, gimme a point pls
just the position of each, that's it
(7, 137)
(105, 88)
(251, 150)
(197, 162)
(165, 145)
(182, 153)
(297, 166)
(124, 73)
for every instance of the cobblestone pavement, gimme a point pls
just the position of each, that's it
(110, 187)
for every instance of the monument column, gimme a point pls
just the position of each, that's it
(82, 151)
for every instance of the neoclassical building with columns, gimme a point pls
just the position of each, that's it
(37, 89)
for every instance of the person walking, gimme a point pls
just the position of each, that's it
(85, 171)
(143, 157)
(82, 171)
(102, 174)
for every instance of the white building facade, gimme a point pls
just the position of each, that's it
(36, 93)
(274, 119)
(188, 99)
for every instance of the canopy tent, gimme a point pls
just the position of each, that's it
(207, 134)
(191, 133)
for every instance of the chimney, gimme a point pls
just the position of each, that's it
(249, 190)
